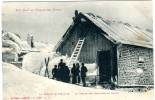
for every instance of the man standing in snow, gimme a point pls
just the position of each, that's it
(65, 74)
(78, 72)
(83, 74)
(32, 42)
(60, 69)
(55, 72)
(74, 74)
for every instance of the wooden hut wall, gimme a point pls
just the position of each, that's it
(94, 41)
(69, 44)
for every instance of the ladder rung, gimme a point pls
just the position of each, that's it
(77, 49)
(80, 41)
(73, 58)
(74, 55)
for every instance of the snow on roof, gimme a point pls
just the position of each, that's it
(124, 33)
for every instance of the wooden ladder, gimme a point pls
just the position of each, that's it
(76, 52)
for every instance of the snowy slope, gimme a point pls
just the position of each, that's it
(18, 83)
(42, 47)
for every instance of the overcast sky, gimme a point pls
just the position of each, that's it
(49, 26)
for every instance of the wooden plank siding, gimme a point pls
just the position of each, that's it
(94, 41)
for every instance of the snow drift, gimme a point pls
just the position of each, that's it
(42, 47)
(18, 83)
(12, 37)
(9, 56)
(10, 44)
(35, 61)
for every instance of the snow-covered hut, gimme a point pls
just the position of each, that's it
(123, 53)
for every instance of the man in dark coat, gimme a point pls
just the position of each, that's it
(55, 72)
(83, 74)
(78, 72)
(60, 69)
(66, 73)
(74, 74)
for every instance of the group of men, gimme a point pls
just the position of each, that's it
(62, 73)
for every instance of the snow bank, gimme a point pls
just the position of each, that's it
(91, 67)
(9, 56)
(12, 37)
(32, 61)
(10, 44)
(52, 62)
(42, 47)
(25, 45)
(35, 62)
(18, 83)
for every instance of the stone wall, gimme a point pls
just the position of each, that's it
(130, 70)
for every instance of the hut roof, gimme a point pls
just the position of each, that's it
(118, 32)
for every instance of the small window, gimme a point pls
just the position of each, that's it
(141, 59)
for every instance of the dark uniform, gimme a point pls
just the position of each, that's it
(83, 74)
(78, 72)
(60, 70)
(66, 73)
(55, 72)
(74, 74)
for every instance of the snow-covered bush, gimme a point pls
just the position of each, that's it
(9, 56)
(14, 47)
(12, 37)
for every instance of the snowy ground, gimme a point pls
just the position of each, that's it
(20, 84)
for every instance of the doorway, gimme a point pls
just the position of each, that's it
(104, 63)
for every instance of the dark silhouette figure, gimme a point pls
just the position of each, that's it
(78, 72)
(74, 74)
(83, 74)
(32, 42)
(65, 74)
(55, 72)
(76, 12)
(60, 70)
